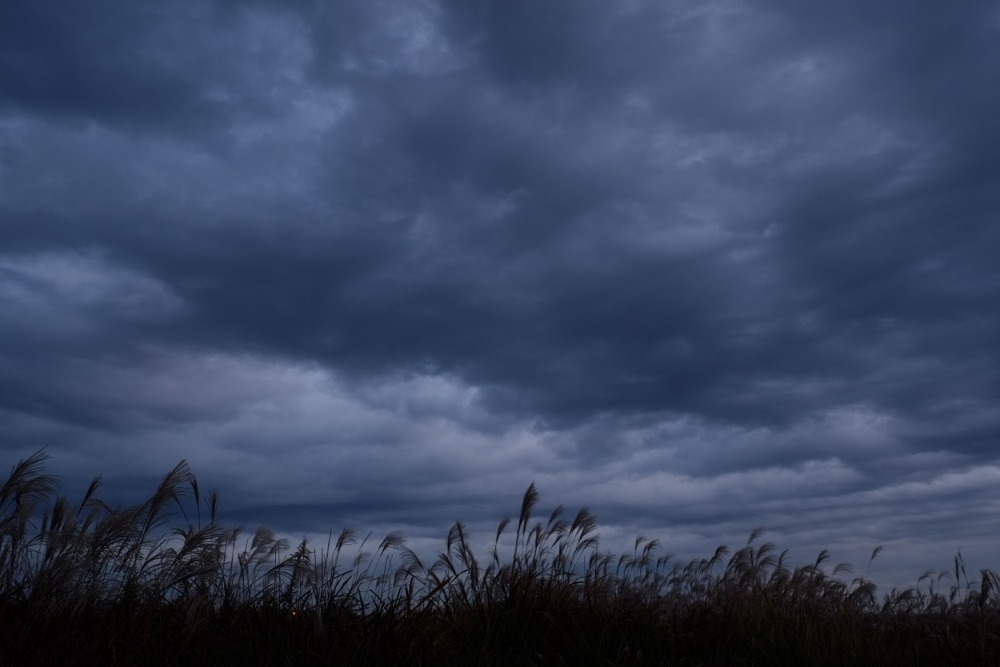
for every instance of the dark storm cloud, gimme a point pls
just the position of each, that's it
(127, 65)
(740, 255)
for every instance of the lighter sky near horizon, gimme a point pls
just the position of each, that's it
(698, 266)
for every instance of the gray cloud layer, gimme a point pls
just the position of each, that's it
(700, 266)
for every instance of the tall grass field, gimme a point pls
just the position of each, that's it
(169, 582)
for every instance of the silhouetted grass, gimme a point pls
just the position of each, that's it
(165, 583)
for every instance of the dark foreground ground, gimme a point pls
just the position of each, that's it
(167, 583)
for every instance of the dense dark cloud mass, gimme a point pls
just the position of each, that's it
(701, 266)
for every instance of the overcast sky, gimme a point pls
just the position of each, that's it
(699, 266)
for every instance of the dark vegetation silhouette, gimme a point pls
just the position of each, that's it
(165, 582)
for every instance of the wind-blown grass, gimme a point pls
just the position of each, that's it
(166, 582)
